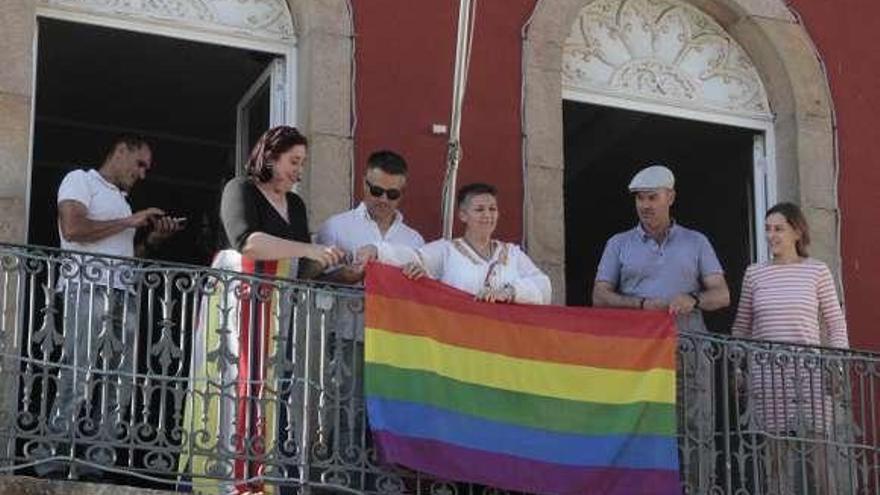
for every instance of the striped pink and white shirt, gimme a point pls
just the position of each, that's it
(785, 303)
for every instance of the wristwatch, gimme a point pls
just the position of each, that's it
(696, 295)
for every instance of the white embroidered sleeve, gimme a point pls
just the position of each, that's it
(431, 256)
(532, 286)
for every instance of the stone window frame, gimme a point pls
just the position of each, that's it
(323, 95)
(796, 85)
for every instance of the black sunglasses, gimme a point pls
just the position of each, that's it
(377, 191)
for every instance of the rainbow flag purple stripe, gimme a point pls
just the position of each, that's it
(541, 399)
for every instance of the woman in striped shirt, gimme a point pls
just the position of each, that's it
(790, 299)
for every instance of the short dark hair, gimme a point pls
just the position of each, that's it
(388, 162)
(272, 144)
(131, 141)
(469, 190)
(795, 217)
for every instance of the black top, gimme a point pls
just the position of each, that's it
(244, 210)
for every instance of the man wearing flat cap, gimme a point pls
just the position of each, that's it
(661, 265)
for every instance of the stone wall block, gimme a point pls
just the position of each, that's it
(556, 272)
(728, 13)
(15, 111)
(787, 170)
(543, 124)
(805, 79)
(17, 25)
(543, 54)
(770, 9)
(552, 21)
(320, 16)
(546, 212)
(327, 188)
(767, 59)
(325, 76)
(816, 146)
(13, 219)
(823, 231)
(725, 13)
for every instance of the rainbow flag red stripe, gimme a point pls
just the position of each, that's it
(238, 320)
(542, 399)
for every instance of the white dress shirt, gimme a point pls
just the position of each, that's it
(355, 228)
(352, 230)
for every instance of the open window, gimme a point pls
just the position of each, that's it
(263, 105)
(201, 105)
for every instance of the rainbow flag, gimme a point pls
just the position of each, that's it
(542, 399)
(230, 421)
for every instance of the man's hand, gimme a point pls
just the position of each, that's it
(682, 304)
(366, 254)
(502, 295)
(163, 227)
(144, 217)
(76, 226)
(413, 271)
(349, 274)
(656, 304)
(325, 255)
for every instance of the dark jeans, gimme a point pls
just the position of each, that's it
(96, 376)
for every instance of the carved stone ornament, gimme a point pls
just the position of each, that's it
(660, 51)
(263, 19)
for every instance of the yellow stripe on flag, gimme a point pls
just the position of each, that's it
(563, 381)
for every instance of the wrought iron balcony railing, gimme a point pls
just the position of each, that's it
(197, 379)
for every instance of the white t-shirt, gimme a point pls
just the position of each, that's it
(355, 228)
(104, 201)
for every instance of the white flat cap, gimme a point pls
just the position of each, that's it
(653, 177)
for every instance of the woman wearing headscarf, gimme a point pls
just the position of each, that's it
(236, 406)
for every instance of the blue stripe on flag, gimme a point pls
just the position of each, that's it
(427, 422)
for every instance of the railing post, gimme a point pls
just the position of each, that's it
(305, 441)
(725, 414)
(11, 320)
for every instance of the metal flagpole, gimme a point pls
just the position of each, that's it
(453, 152)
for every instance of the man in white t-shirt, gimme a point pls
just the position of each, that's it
(93, 211)
(100, 303)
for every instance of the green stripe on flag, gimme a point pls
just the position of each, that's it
(589, 418)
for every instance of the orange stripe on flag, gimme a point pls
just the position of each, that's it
(520, 341)
(389, 281)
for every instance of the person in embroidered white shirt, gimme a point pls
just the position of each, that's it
(376, 219)
(492, 270)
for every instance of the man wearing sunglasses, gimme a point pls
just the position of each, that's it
(376, 219)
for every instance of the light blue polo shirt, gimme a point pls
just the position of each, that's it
(638, 266)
